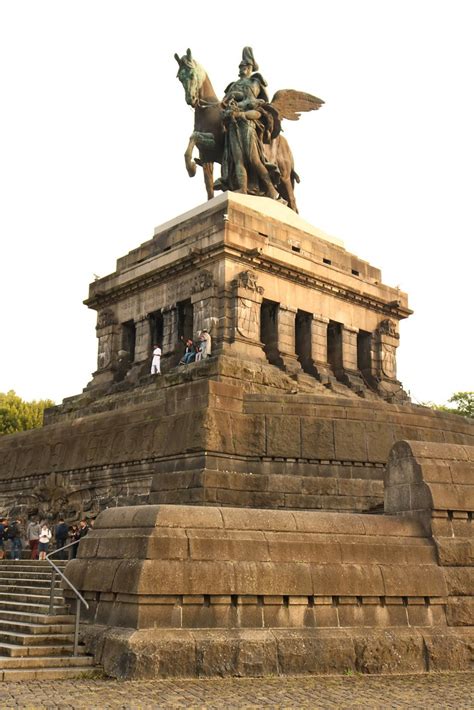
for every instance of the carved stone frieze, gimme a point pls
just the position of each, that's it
(248, 280)
(105, 318)
(388, 327)
(202, 281)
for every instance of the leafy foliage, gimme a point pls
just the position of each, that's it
(464, 402)
(18, 415)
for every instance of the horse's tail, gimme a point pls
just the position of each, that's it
(294, 177)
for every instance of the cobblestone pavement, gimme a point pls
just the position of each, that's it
(429, 691)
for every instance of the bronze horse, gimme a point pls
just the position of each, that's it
(208, 133)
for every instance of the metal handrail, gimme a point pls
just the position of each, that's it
(79, 598)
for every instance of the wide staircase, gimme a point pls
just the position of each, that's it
(35, 644)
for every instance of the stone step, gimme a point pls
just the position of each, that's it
(13, 650)
(35, 644)
(8, 606)
(59, 673)
(9, 574)
(27, 617)
(24, 662)
(29, 595)
(35, 628)
(29, 581)
(21, 638)
(18, 566)
(18, 585)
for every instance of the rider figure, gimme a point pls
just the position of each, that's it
(249, 122)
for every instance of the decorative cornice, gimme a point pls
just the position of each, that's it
(257, 261)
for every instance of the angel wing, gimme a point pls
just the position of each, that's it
(290, 103)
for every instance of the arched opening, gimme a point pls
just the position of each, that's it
(269, 330)
(128, 339)
(156, 329)
(185, 319)
(335, 347)
(303, 339)
(364, 353)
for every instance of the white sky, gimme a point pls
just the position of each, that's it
(93, 126)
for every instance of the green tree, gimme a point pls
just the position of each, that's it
(18, 415)
(464, 402)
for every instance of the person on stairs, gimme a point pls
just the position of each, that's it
(44, 540)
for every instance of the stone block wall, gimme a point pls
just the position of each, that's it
(229, 441)
(192, 567)
(435, 484)
(176, 590)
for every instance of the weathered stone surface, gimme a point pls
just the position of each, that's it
(449, 651)
(389, 652)
(460, 611)
(154, 653)
(321, 653)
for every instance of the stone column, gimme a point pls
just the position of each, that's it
(171, 349)
(108, 334)
(142, 359)
(205, 305)
(286, 339)
(349, 348)
(142, 339)
(247, 299)
(319, 349)
(350, 373)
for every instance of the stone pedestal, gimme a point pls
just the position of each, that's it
(200, 588)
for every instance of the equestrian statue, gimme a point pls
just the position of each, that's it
(242, 132)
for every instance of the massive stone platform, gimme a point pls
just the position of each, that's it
(179, 590)
(297, 407)
(250, 522)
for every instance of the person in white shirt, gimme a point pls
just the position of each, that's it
(156, 362)
(44, 539)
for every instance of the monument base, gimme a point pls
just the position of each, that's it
(174, 653)
(183, 590)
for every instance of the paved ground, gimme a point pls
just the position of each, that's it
(427, 692)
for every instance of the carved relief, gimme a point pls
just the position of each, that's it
(52, 495)
(202, 280)
(248, 280)
(389, 361)
(104, 356)
(247, 318)
(105, 318)
(388, 327)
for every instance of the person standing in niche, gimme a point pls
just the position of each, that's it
(205, 343)
(156, 362)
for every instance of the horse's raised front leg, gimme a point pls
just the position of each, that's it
(188, 157)
(208, 169)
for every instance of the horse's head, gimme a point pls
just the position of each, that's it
(192, 76)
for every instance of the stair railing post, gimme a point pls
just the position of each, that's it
(76, 630)
(51, 593)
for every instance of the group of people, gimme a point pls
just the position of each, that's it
(195, 350)
(40, 537)
(198, 349)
